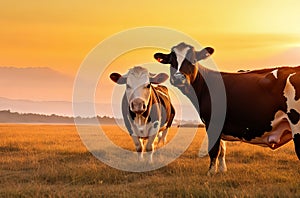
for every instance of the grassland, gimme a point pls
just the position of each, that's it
(51, 161)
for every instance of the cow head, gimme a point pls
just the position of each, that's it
(138, 86)
(183, 60)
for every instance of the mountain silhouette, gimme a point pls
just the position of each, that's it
(6, 116)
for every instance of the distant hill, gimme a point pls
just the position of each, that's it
(6, 116)
(62, 108)
(38, 107)
(13, 117)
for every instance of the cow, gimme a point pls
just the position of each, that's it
(263, 105)
(146, 107)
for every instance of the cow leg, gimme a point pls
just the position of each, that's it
(138, 146)
(222, 163)
(150, 147)
(297, 144)
(213, 154)
(296, 136)
(163, 136)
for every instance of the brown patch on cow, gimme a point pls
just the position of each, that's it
(268, 81)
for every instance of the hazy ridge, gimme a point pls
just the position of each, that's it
(7, 116)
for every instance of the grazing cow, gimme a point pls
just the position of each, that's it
(263, 106)
(146, 107)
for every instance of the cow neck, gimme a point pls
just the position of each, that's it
(200, 87)
(150, 103)
(154, 101)
(197, 88)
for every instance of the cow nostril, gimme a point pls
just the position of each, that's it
(144, 106)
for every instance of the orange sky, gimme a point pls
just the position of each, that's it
(59, 34)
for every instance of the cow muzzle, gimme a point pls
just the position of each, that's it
(138, 106)
(178, 79)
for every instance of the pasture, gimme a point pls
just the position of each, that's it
(51, 161)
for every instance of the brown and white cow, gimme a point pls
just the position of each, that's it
(263, 106)
(146, 107)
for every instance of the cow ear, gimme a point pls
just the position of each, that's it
(118, 78)
(162, 58)
(204, 53)
(159, 78)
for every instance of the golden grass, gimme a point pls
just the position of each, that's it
(51, 161)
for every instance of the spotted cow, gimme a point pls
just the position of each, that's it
(146, 107)
(263, 106)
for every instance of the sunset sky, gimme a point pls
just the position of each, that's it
(59, 34)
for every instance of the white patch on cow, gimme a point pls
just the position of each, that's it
(150, 147)
(163, 136)
(204, 147)
(153, 128)
(280, 134)
(290, 93)
(137, 78)
(213, 169)
(222, 162)
(218, 163)
(180, 55)
(136, 89)
(138, 146)
(141, 128)
(275, 73)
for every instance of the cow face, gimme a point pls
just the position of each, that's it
(138, 86)
(183, 60)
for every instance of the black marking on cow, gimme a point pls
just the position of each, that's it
(297, 144)
(132, 114)
(294, 116)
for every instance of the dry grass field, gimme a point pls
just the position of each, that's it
(51, 161)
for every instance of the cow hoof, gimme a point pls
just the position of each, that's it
(297, 144)
(211, 172)
(223, 169)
